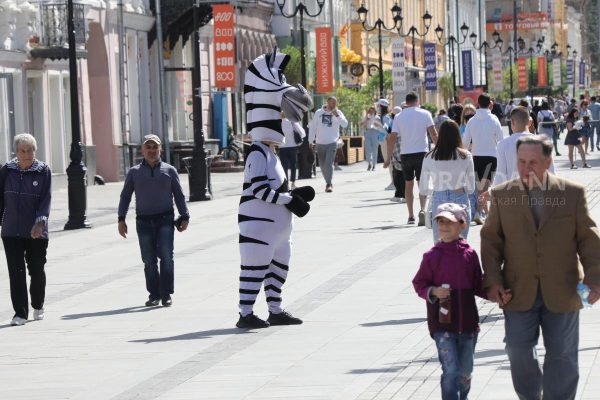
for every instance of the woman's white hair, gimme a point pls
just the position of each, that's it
(24, 138)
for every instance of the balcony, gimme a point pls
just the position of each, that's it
(54, 39)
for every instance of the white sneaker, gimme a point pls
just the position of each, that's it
(390, 187)
(38, 315)
(398, 200)
(18, 321)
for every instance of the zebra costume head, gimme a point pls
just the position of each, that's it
(267, 93)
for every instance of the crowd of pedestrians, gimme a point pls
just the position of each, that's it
(536, 226)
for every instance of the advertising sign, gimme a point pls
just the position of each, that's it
(522, 73)
(570, 73)
(556, 72)
(542, 72)
(398, 65)
(324, 60)
(467, 67)
(224, 44)
(430, 66)
(582, 74)
(497, 79)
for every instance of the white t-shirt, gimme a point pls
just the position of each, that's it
(484, 132)
(438, 175)
(411, 127)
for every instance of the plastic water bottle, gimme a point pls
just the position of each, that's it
(584, 291)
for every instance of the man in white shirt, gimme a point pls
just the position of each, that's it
(483, 132)
(324, 130)
(411, 127)
(506, 152)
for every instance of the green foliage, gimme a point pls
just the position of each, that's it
(445, 87)
(372, 86)
(353, 104)
(293, 69)
(432, 108)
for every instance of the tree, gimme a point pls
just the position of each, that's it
(445, 87)
(353, 104)
(293, 71)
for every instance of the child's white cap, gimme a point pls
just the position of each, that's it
(452, 211)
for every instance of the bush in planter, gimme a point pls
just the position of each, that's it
(432, 108)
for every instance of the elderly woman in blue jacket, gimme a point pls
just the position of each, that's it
(25, 200)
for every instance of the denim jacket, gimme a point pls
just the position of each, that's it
(25, 198)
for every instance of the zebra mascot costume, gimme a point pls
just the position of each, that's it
(266, 206)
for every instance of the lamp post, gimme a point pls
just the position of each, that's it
(304, 156)
(76, 170)
(574, 71)
(452, 41)
(485, 47)
(414, 31)
(510, 51)
(379, 25)
(199, 179)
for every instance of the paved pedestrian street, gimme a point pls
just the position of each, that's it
(364, 334)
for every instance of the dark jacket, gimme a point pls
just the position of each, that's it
(25, 198)
(456, 264)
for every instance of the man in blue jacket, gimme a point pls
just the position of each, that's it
(155, 184)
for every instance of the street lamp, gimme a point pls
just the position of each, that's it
(452, 41)
(304, 166)
(414, 31)
(379, 25)
(485, 46)
(199, 173)
(550, 56)
(76, 170)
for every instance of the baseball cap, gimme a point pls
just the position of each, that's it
(383, 102)
(152, 138)
(452, 211)
(397, 110)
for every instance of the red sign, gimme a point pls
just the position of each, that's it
(224, 45)
(521, 25)
(522, 73)
(542, 74)
(324, 60)
(470, 94)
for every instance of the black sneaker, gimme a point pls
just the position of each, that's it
(421, 218)
(411, 221)
(167, 302)
(152, 303)
(283, 318)
(251, 321)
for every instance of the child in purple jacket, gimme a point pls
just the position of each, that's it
(452, 263)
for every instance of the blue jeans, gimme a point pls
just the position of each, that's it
(449, 196)
(371, 146)
(156, 236)
(561, 340)
(455, 352)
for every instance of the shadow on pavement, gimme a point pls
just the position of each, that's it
(127, 310)
(395, 322)
(490, 318)
(583, 349)
(195, 335)
(384, 227)
(5, 326)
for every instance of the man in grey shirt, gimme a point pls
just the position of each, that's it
(155, 184)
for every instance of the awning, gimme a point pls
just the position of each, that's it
(178, 19)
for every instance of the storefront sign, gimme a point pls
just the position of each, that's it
(542, 72)
(430, 66)
(398, 65)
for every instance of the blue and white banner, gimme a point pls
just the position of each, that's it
(570, 71)
(398, 67)
(430, 66)
(582, 74)
(467, 67)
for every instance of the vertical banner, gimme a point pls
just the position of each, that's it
(556, 72)
(430, 66)
(497, 79)
(522, 73)
(324, 60)
(467, 67)
(570, 73)
(398, 65)
(582, 74)
(542, 72)
(224, 45)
